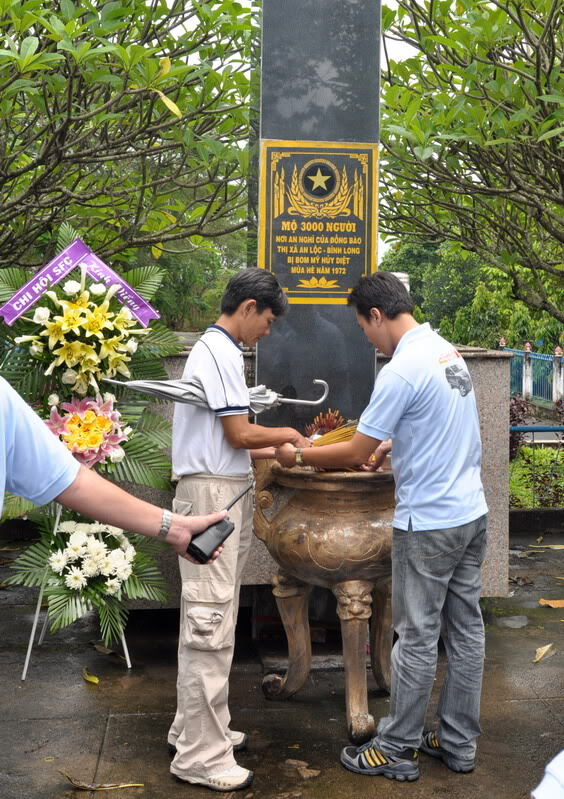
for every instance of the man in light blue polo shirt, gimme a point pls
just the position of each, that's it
(423, 402)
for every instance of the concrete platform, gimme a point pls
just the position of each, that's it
(116, 731)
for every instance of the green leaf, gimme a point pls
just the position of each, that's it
(551, 133)
(11, 279)
(67, 234)
(145, 280)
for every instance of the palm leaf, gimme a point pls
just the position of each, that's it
(156, 430)
(147, 368)
(113, 619)
(11, 279)
(67, 234)
(145, 280)
(66, 606)
(16, 507)
(26, 374)
(161, 341)
(31, 565)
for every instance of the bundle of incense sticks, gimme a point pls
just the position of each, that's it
(343, 433)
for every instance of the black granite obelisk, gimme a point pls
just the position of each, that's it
(318, 196)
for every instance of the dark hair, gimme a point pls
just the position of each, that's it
(383, 291)
(254, 284)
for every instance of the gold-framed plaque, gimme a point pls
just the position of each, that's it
(318, 204)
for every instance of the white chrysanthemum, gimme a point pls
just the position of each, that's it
(117, 557)
(124, 572)
(83, 527)
(129, 553)
(90, 567)
(112, 586)
(71, 287)
(96, 549)
(115, 531)
(53, 399)
(75, 579)
(106, 565)
(96, 527)
(73, 552)
(117, 455)
(36, 348)
(69, 377)
(41, 315)
(67, 527)
(97, 289)
(58, 561)
(78, 539)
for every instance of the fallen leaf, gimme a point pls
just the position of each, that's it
(103, 650)
(540, 539)
(48, 759)
(293, 746)
(552, 603)
(89, 677)
(547, 546)
(307, 773)
(296, 763)
(107, 786)
(525, 554)
(544, 652)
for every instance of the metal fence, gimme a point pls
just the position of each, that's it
(536, 376)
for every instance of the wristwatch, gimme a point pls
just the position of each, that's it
(299, 459)
(166, 521)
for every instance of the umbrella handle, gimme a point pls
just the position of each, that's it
(308, 402)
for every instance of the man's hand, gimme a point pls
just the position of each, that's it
(183, 528)
(378, 456)
(286, 455)
(300, 441)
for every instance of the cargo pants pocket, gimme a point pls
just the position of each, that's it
(208, 621)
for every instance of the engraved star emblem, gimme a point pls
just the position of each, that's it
(319, 180)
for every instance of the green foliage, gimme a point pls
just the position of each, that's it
(537, 478)
(127, 120)
(472, 128)
(449, 284)
(414, 258)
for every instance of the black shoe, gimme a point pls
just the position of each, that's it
(367, 759)
(430, 744)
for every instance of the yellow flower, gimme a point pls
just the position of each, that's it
(69, 353)
(94, 439)
(117, 364)
(124, 319)
(81, 302)
(72, 320)
(96, 321)
(55, 331)
(89, 417)
(109, 347)
(103, 424)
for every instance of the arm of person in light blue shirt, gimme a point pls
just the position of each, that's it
(38, 465)
(390, 399)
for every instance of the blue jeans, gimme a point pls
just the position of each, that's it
(436, 582)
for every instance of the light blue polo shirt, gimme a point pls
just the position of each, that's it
(34, 464)
(424, 401)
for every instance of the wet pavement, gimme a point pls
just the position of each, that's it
(116, 731)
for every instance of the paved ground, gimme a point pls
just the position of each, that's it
(116, 731)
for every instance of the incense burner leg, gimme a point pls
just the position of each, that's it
(353, 607)
(382, 633)
(292, 597)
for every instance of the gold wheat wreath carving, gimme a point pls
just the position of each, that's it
(338, 206)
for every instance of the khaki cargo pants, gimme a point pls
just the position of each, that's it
(208, 614)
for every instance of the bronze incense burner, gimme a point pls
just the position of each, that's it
(332, 529)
